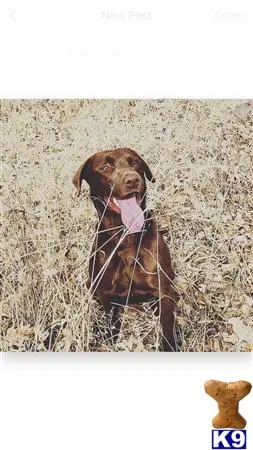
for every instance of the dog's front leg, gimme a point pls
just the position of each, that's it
(167, 320)
(164, 309)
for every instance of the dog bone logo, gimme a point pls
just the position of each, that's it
(228, 396)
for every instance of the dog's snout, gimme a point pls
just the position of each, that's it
(131, 180)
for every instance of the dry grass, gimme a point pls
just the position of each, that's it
(201, 156)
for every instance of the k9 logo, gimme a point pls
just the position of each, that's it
(228, 439)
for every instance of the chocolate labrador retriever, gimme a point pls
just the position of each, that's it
(130, 261)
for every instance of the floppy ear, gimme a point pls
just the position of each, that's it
(83, 173)
(147, 171)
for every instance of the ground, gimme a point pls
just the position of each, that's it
(201, 155)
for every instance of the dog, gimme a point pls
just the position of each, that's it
(130, 262)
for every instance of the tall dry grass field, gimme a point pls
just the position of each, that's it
(201, 155)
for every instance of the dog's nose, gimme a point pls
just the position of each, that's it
(132, 180)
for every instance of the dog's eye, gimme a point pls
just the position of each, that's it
(106, 167)
(132, 161)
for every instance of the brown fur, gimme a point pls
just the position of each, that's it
(127, 269)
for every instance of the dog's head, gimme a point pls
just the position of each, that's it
(117, 183)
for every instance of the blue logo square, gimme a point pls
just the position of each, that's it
(227, 439)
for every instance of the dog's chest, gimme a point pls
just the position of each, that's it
(138, 258)
(132, 270)
(136, 269)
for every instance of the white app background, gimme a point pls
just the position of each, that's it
(120, 49)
